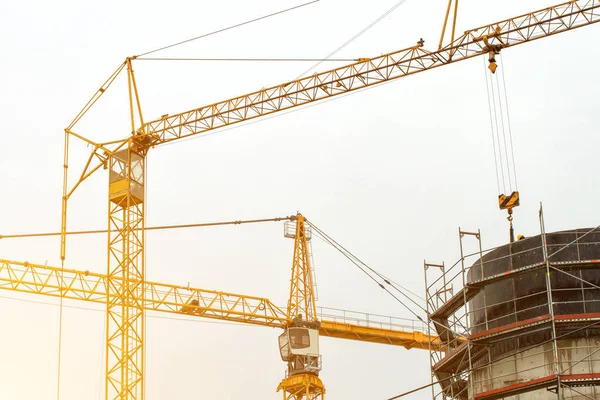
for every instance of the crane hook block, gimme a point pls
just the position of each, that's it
(492, 60)
(508, 202)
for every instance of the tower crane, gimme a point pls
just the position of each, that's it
(301, 325)
(125, 282)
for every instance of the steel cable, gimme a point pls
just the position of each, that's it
(508, 169)
(364, 267)
(487, 88)
(151, 228)
(458, 375)
(512, 151)
(495, 114)
(356, 36)
(247, 59)
(228, 28)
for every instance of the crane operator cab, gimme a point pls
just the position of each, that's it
(299, 346)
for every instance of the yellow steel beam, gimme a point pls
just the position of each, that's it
(125, 316)
(302, 310)
(126, 292)
(90, 286)
(301, 302)
(371, 71)
(409, 339)
(52, 281)
(302, 386)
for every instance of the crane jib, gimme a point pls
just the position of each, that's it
(370, 72)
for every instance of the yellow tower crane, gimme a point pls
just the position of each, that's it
(125, 283)
(299, 342)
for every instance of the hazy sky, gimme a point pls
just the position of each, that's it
(390, 173)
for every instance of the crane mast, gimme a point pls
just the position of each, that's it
(125, 159)
(125, 316)
(299, 344)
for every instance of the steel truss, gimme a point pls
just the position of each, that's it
(466, 365)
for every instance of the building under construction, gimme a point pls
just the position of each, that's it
(520, 320)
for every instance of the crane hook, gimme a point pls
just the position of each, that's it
(511, 229)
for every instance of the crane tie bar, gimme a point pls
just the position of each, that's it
(154, 228)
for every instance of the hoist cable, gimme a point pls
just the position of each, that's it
(487, 88)
(228, 28)
(508, 173)
(500, 124)
(497, 134)
(512, 151)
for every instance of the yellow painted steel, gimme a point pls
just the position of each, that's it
(301, 311)
(406, 339)
(125, 316)
(125, 290)
(451, 3)
(89, 286)
(302, 387)
(301, 302)
(509, 202)
(125, 296)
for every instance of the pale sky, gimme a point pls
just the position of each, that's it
(391, 173)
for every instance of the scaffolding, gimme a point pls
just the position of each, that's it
(516, 319)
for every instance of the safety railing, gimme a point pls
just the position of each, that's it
(370, 320)
(456, 301)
